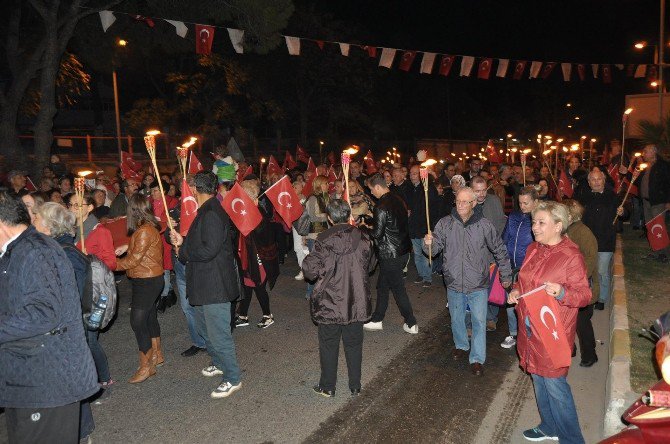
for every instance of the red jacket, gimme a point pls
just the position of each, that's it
(159, 212)
(99, 243)
(563, 264)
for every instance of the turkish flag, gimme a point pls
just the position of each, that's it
(332, 177)
(194, 165)
(546, 328)
(242, 174)
(289, 163)
(273, 166)
(129, 174)
(370, 166)
(519, 68)
(372, 50)
(285, 200)
(657, 234)
(204, 37)
(310, 166)
(301, 155)
(445, 64)
(614, 174)
(607, 74)
(188, 209)
(494, 156)
(484, 70)
(242, 210)
(331, 158)
(547, 69)
(307, 188)
(127, 159)
(564, 184)
(30, 186)
(581, 70)
(406, 60)
(119, 229)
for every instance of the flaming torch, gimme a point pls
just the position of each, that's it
(150, 143)
(79, 188)
(424, 179)
(346, 161)
(636, 174)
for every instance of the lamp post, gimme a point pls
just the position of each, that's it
(321, 152)
(122, 43)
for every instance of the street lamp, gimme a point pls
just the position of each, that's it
(121, 43)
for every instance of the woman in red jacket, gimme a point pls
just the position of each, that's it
(97, 237)
(555, 261)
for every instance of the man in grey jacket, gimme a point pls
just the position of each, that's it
(466, 240)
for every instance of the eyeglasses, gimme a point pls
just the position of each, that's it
(464, 202)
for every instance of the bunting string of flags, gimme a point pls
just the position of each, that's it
(482, 66)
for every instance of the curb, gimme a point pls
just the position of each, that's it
(618, 388)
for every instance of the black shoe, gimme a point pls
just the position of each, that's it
(327, 393)
(426, 284)
(160, 305)
(574, 350)
(170, 299)
(418, 280)
(599, 306)
(192, 351)
(588, 363)
(355, 393)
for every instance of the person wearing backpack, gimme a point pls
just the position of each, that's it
(54, 220)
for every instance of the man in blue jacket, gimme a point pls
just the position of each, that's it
(46, 367)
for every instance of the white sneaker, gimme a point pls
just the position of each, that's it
(509, 342)
(299, 276)
(413, 330)
(373, 326)
(225, 389)
(211, 370)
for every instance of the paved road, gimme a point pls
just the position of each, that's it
(411, 389)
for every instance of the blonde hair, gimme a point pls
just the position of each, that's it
(575, 209)
(558, 212)
(316, 184)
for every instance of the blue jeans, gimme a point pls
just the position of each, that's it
(188, 309)
(511, 320)
(168, 283)
(478, 301)
(421, 261)
(310, 287)
(558, 414)
(605, 273)
(213, 322)
(99, 356)
(492, 313)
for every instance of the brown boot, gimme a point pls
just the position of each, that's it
(157, 358)
(145, 370)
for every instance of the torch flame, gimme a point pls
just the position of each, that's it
(638, 154)
(153, 133)
(84, 173)
(628, 111)
(642, 166)
(545, 152)
(429, 162)
(353, 149)
(527, 150)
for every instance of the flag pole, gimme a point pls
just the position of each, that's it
(535, 290)
(423, 171)
(636, 173)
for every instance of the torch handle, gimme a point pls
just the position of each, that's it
(81, 222)
(160, 186)
(630, 185)
(425, 191)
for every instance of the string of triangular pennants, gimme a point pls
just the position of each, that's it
(431, 62)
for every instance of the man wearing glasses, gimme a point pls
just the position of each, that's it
(465, 239)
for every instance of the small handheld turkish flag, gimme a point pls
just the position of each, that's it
(242, 210)
(289, 163)
(310, 166)
(564, 184)
(307, 188)
(194, 165)
(332, 177)
(285, 200)
(657, 232)
(189, 208)
(369, 161)
(547, 331)
(484, 70)
(494, 157)
(241, 174)
(273, 166)
(204, 37)
(301, 155)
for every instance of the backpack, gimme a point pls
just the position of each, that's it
(303, 224)
(99, 280)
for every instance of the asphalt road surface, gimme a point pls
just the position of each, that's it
(412, 390)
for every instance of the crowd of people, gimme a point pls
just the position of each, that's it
(488, 223)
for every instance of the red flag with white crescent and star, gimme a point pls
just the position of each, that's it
(547, 331)
(241, 174)
(657, 233)
(494, 156)
(204, 37)
(307, 188)
(369, 161)
(547, 69)
(242, 210)
(310, 166)
(194, 165)
(445, 64)
(607, 74)
(564, 185)
(285, 200)
(273, 166)
(372, 51)
(332, 177)
(289, 163)
(127, 159)
(484, 70)
(188, 209)
(406, 60)
(301, 155)
(519, 68)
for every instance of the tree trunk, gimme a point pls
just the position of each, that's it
(11, 146)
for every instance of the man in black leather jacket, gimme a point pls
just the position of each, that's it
(391, 236)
